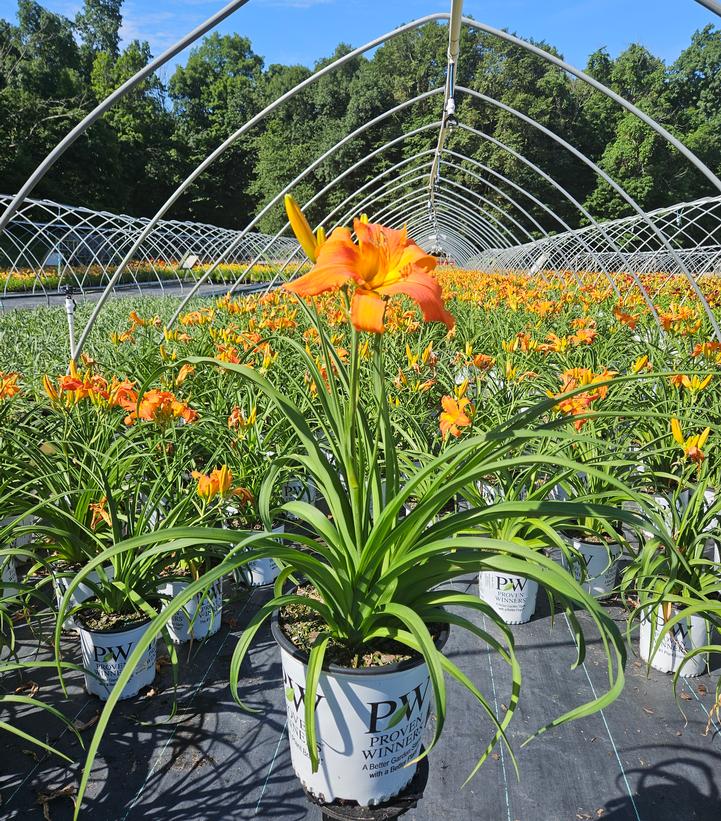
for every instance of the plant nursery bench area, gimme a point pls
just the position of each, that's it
(641, 758)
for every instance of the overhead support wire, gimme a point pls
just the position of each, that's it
(448, 120)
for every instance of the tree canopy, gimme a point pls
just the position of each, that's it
(53, 70)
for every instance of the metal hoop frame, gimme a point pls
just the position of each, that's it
(469, 210)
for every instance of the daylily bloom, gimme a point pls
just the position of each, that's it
(9, 385)
(206, 486)
(453, 416)
(627, 319)
(100, 514)
(237, 418)
(219, 483)
(162, 407)
(184, 373)
(691, 446)
(694, 384)
(383, 263)
(711, 350)
(641, 364)
(584, 337)
(483, 362)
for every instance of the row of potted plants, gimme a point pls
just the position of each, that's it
(145, 499)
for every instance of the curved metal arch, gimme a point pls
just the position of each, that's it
(617, 98)
(619, 189)
(432, 235)
(459, 236)
(210, 159)
(562, 190)
(486, 214)
(110, 101)
(536, 170)
(229, 141)
(360, 205)
(482, 233)
(656, 127)
(452, 242)
(392, 214)
(501, 193)
(490, 231)
(463, 225)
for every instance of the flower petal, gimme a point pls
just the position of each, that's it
(301, 228)
(422, 288)
(337, 263)
(676, 431)
(366, 311)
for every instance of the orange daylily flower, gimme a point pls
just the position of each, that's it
(9, 385)
(483, 362)
(237, 418)
(626, 319)
(585, 336)
(694, 384)
(162, 407)
(219, 483)
(383, 263)
(100, 514)
(453, 416)
(711, 350)
(184, 373)
(691, 446)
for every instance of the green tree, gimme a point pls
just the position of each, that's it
(98, 26)
(213, 95)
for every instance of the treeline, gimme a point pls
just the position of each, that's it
(54, 70)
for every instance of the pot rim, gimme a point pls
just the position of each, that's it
(336, 669)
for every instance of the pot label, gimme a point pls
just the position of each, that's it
(369, 728)
(512, 597)
(683, 637)
(105, 657)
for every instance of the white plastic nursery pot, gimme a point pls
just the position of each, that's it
(663, 502)
(687, 635)
(260, 572)
(601, 566)
(106, 654)
(9, 574)
(362, 759)
(204, 612)
(82, 592)
(512, 597)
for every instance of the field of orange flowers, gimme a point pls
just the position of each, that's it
(515, 342)
(611, 395)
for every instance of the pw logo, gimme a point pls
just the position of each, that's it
(404, 705)
(514, 583)
(108, 654)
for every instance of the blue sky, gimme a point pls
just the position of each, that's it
(301, 31)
